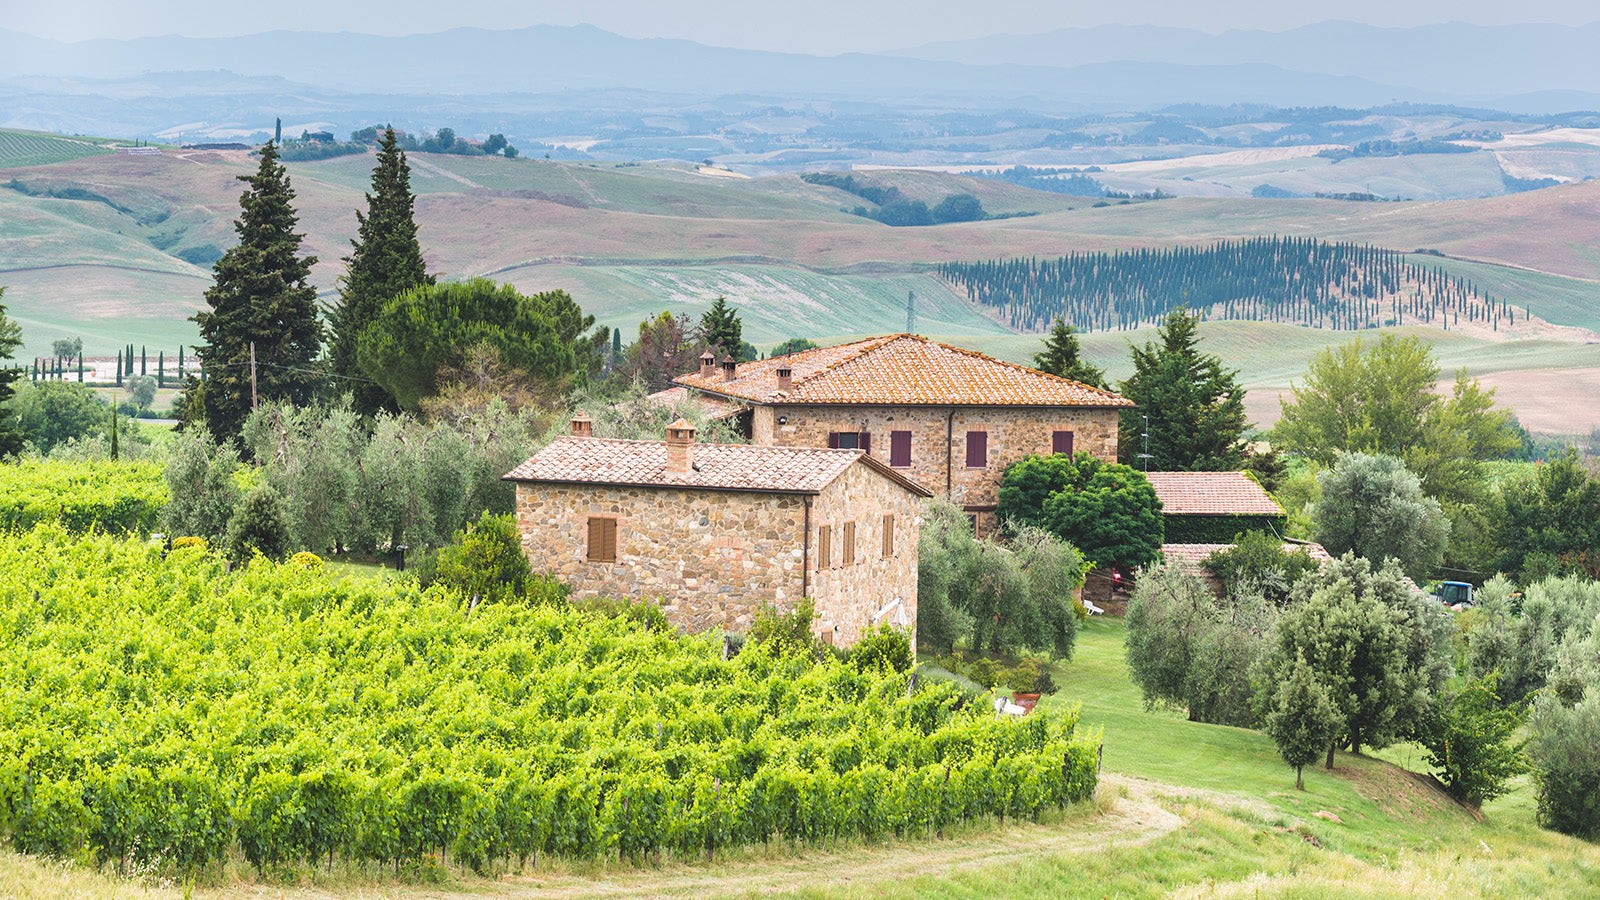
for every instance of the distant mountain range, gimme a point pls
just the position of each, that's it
(1522, 68)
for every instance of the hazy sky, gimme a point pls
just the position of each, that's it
(810, 26)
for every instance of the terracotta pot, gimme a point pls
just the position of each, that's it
(1024, 699)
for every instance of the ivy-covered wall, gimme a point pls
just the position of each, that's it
(1219, 529)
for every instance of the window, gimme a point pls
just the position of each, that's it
(888, 535)
(848, 557)
(1061, 442)
(602, 539)
(850, 440)
(824, 546)
(977, 449)
(900, 449)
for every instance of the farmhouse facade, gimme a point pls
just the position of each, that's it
(945, 417)
(715, 530)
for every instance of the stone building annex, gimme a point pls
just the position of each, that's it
(715, 530)
(948, 418)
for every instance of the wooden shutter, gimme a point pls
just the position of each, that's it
(824, 546)
(866, 441)
(900, 449)
(848, 557)
(888, 535)
(1061, 442)
(602, 539)
(833, 440)
(977, 449)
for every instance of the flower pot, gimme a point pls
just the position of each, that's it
(1024, 699)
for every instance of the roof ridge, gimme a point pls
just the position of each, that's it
(1029, 369)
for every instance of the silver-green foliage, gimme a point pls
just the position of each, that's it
(1188, 650)
(1524, 646)
(1372, 505)
(1301, 719)
(200, 482)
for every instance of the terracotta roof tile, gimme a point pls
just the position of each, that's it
(1211, 494)
(900, 369)
(1188, 558)
(730, 467)
(715, 408)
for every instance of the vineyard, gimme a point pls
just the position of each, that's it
(19, 148)
(168, 713)
(1271, 279)
(82, 496)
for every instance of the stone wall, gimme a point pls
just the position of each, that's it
(939, 440)
(849, 597)
(710, 557)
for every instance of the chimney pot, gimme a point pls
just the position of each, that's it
(680, 448)
(729, 369)
(582, 425)
(785, 377)
(708, 364)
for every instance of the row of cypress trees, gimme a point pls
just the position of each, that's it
(1275, 279)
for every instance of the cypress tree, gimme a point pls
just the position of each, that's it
(261, 296)
(119, 368)
(386, 260)
(161, 369)
(142, 351)
(12, 436)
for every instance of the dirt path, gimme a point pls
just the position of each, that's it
(431, 169)
(1136, 817)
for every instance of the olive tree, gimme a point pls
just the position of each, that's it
(1375, 507)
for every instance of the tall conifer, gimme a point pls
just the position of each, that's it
(261, 295)
(385, 262)
(1195, 406)
(1060, 357)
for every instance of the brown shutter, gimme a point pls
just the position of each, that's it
(1061, 442)
(977, 449)
(602, 539)
(848, 557)
(888, 535)
(866, 441)
(824, 546)
(900, 449)
(833, 440)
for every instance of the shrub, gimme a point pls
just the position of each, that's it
(1468, 737)
(1566, 760)
(306, 559)
(782, 633)
(486, 560)
(188, 541)
(259, 526)
(882, 647)
(200, 480)
(1259, 560)
(643, 613)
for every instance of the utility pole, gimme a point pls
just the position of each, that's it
(252, 376)
(911, 312)
(1146, 454)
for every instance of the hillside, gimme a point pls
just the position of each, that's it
(117, 248)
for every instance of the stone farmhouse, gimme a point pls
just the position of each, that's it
(715, 530)
(944, 417)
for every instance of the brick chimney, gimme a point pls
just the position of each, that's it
(785, 377)
(729, 368)
(582, 425)
(680, 448)
(708, 364)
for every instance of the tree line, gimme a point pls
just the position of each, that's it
(1301, 281)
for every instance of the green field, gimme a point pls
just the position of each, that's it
(31, 148)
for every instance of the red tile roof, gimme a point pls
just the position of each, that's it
(900, 369)
(1188, 558)
(1211, 494)
(726, 467)
(715, 408)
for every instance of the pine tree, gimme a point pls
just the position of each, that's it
(1060, 357)
(261, 297)
(1195, 407)
(12, 436)
(385, 262)
(722, 330)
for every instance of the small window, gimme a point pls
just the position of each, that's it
(1061, 442)
(850, 440)
(602, 539)
(888, 535)
(824, 546)
(900, 449)
(848, 557)
(977, 449)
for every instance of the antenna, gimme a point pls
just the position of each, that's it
(911, 312)
(1146, 435)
